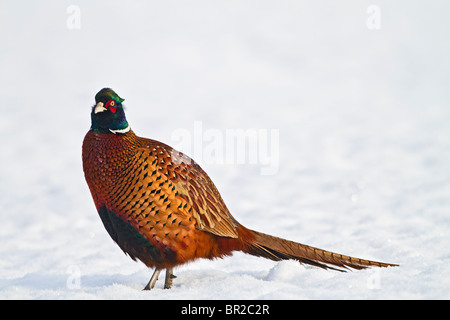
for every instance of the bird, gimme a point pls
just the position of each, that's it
(161, 208)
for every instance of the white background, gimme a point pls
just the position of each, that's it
(364, 149)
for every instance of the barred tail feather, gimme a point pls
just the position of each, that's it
(277, 249)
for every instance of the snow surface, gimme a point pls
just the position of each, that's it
(364, 140)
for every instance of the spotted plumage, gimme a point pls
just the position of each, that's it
(161, 208)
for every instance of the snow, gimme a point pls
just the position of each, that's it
(363, 155)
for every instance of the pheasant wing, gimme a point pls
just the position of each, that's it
(195, 187)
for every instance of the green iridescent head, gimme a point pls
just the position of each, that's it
(107, 114)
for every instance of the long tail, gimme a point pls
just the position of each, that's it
(274, 248)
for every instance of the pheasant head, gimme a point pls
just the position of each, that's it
(107, 114)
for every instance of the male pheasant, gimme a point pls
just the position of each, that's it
(161, 208)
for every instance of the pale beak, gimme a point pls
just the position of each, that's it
(99, 108)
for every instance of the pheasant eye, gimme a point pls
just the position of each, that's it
(112, 106)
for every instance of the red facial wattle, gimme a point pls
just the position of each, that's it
(111, 105)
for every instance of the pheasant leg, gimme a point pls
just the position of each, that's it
(169, 278)
(153, 279)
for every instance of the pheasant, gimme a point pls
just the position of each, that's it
(161, 208)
